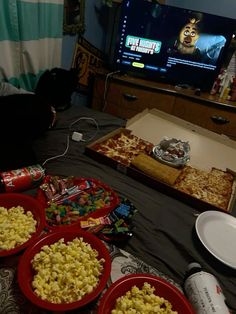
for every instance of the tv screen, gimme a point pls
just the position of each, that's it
(177, 45)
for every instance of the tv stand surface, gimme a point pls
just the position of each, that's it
(124, 96)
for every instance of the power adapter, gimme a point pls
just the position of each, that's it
(76, 136)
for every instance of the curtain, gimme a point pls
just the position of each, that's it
(30, 40)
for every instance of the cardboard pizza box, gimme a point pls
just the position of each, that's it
(207, 150)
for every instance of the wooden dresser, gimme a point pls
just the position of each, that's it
(124, 96)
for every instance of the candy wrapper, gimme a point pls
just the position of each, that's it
(68, 200)
(57, 189)
(116, 226)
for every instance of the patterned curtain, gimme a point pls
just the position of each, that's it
(30, 40)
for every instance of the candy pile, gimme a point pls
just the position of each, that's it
(69, 199)
(116, 226)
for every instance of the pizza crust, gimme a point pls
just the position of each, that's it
(155, 169)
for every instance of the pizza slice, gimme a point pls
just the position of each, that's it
(213, 187)
(123, 147)
(220, 182)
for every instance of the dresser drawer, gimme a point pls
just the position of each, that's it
(123, 101)
(162, 101)
(214, 119)
(137, 99)
(105, 96)
(222, 122)
(190, 111)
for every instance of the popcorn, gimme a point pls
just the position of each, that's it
(65, 272)
(142, 301)
(16, 227)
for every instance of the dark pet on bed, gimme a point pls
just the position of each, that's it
(56, 87)
(24, 117)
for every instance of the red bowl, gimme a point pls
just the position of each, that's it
(26, 273)
(29, 203)
(162, 288)
(103, 211)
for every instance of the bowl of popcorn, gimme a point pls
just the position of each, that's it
(143, 293)
(21, 222)
(64, 270)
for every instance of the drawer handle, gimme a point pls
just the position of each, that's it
(130, 97)
(219, 120)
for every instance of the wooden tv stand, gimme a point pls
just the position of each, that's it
(124, 96)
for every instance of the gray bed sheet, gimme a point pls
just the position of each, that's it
(164, 235)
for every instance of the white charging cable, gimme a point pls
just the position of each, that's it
(106, 88)
(76, 136)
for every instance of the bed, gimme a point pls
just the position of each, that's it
(164, 240)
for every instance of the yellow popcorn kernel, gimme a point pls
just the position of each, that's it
(16, 227)
(142, 301)
(71, 270)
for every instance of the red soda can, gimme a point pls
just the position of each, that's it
(22, 179)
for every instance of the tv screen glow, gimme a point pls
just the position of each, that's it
(178, 45)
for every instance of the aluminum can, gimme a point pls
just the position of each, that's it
(204, 292)
(22, 179)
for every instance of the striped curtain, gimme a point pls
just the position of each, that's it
(30, 40)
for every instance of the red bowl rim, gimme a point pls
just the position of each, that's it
(40, 224)
(24, 262)
(98, 213)
(149, 278)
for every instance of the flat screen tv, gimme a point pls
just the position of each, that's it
(173, 44)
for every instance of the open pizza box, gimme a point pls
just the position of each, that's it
(207, 150)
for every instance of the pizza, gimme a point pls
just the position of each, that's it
(213, 187)
(123, 147)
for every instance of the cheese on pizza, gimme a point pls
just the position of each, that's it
(123, 147)
(214, 187)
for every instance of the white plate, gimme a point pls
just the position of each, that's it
(217, 232)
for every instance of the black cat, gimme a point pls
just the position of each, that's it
(24, 117)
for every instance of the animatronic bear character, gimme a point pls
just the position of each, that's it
(188, 36)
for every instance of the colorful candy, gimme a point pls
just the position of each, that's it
(116, 226)
(75, 201)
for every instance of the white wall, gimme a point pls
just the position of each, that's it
(218, 7)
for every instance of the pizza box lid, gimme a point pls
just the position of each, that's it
(207, 150)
